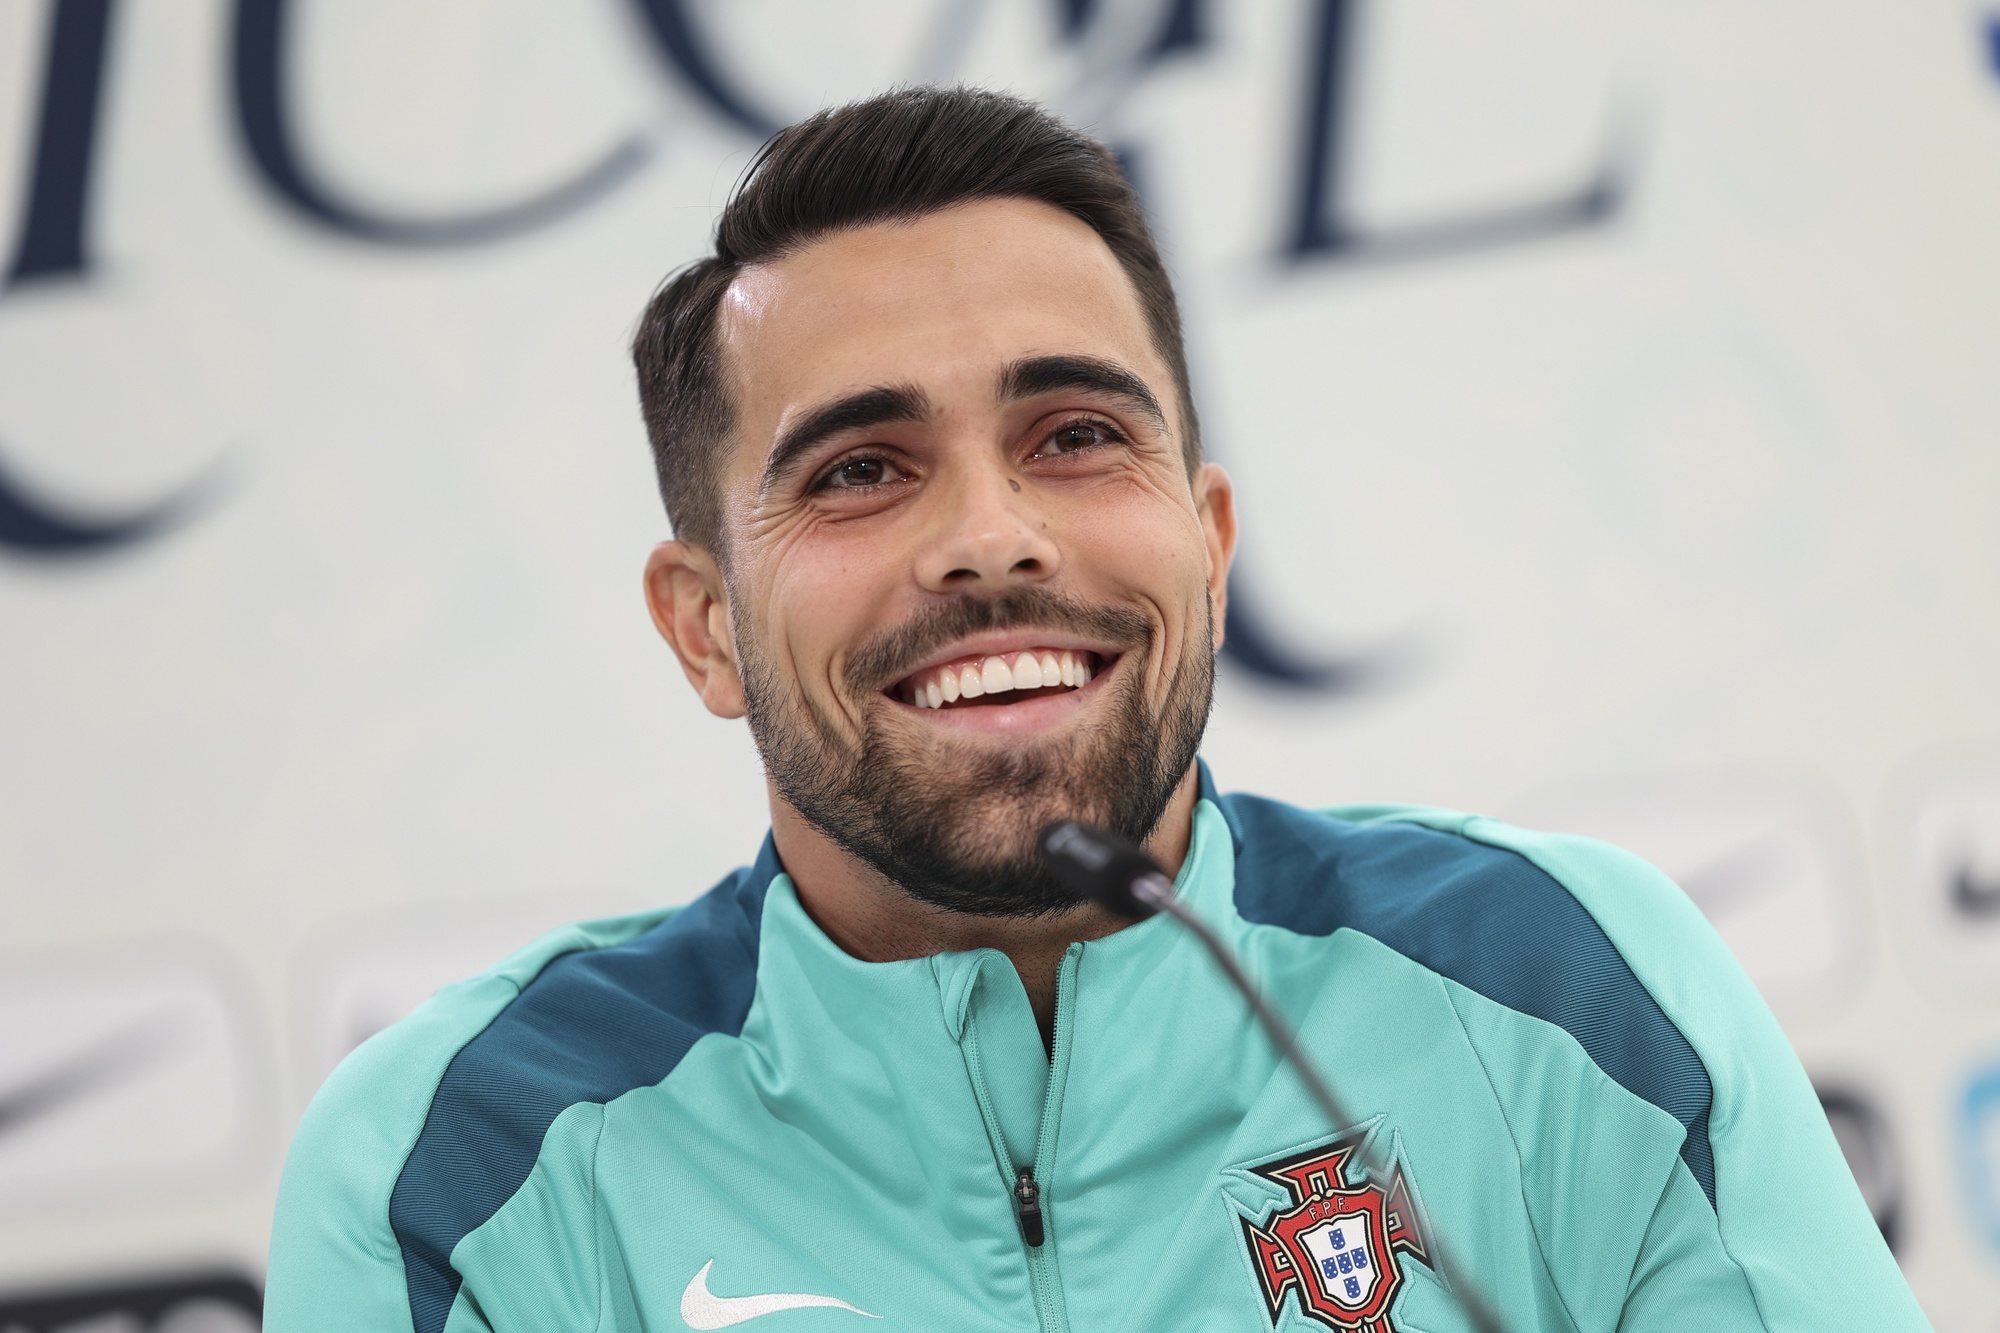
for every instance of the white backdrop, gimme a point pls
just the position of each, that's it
(1612, 392)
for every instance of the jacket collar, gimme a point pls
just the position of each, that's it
(799, 961)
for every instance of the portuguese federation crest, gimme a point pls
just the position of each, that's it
(1336, 1245)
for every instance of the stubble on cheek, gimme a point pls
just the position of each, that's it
(953, 821)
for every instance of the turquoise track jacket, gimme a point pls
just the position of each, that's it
(712, 1117)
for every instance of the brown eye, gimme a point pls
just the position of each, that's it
(855, 474)
(1077, 436)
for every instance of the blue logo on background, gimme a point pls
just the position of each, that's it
(1979, 1152)
(1318, 222)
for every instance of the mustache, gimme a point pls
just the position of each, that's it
(895, 653)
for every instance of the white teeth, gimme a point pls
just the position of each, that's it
(1028, 670)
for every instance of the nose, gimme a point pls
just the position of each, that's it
(990, 534)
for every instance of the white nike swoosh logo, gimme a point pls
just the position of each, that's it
(702, 1308)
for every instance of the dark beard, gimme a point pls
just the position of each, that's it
(960, 834)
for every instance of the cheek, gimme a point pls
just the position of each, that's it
(817, 609)
(1145, 542)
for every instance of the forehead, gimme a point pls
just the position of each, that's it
(940, 301)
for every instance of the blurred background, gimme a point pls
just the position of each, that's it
(1612, 392)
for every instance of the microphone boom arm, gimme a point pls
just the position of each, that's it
(1156, 892)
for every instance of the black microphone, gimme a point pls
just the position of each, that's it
(1103, 868)
(1100, 867)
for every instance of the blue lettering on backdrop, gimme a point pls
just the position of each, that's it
(1073, 17)
(1320, 233)
(683, 43)
(1182, 30)
(1320, 228)
(265, 121)
(1993, 42)
(56, 214)
(1182, 26)
(52, 231)
(33, 525)
(52, 245)
(53, 237)
(1249, 639)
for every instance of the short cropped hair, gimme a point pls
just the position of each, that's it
(892, 157)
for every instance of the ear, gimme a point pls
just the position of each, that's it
(1215, 503)
(690, 606)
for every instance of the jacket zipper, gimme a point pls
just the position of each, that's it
(1042, 1271)
(1024, 1188)
(1028, 1203)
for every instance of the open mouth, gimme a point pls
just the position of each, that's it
(998, 680)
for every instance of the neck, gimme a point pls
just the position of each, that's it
(876, 921)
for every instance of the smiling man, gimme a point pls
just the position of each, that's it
(972, 583)
(945, 538)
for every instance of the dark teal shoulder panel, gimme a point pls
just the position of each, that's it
(590, 1027)
(1489, 919)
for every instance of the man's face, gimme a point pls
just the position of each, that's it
(958, 480)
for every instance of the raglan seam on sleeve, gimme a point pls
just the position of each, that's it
(1722, 1239)
(1632, 1271)
(1562, 881)
(388, 1200)
(1639, 1252)
(596, 1233)
(1721, 1236)
(1520, 1168)
(1667, 1185)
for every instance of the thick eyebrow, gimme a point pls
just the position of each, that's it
(1035, 375)
(879, 406)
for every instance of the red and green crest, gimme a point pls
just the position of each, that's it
(1337, 1245)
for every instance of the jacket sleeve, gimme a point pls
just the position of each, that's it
(336, 1263)
(1788, 1243)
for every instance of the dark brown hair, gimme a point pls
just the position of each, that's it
(896, 156)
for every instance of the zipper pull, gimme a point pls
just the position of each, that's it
(1028, 1203)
